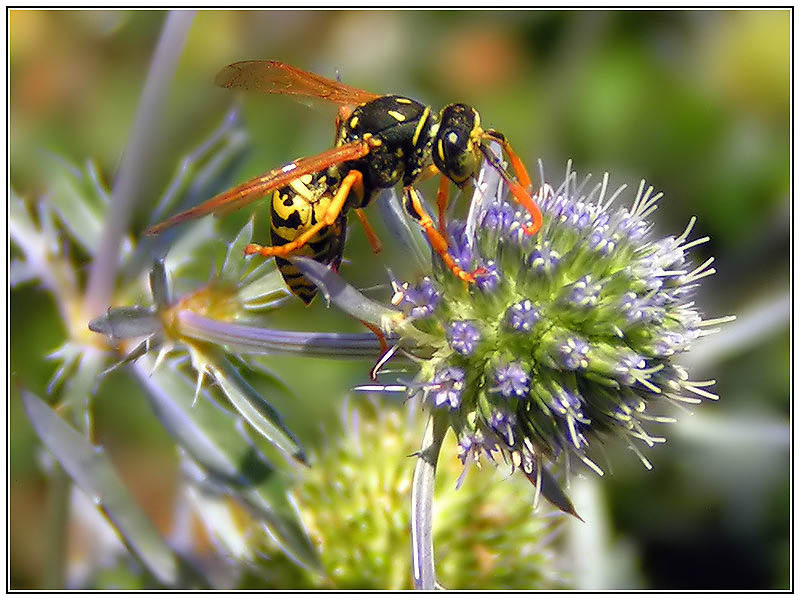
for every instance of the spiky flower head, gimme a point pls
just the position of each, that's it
(568, 336)
(355, 504)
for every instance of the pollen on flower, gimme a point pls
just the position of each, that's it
(499, 216)
(584, 292)
(417, 301)
(574, 353)
(627, 367)
(544, 259)
(502, 423)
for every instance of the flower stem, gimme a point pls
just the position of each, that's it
(260, 340)
(423, 566)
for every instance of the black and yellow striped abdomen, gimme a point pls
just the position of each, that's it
(294, 209)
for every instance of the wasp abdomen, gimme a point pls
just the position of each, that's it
(294, 209)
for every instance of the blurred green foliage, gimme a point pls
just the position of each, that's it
(695, 102)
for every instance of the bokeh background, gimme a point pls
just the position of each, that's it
(695, 102)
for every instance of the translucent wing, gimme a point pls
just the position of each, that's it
(258, 187)
(274, 77)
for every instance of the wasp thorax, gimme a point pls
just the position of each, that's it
(456, 152)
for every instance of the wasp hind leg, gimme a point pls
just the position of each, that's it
(372, 237)
(353, 181)
(442, 194)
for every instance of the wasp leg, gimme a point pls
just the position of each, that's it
(372, 237)
(427, 173)
(353, 180)
(442, 194)
(530, 205)
(442, 199)
(520, 188)
(378, 334)
(438, 242)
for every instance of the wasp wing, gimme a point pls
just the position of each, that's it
(258, 187)
(274, 77)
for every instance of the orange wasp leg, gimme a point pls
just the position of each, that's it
(372, 237)
(353, 180)
(442, 194)
(530, 205)
(442, 199)
(519, 169)
(438, 242)
(378, 334)
(427, 173)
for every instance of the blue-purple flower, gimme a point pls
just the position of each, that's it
(447, 386)
(511, 380)
(522, 316)
(566, 335)
(463, 337)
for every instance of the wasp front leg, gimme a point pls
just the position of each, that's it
(442, 200)
(442, 195)
(413, 205)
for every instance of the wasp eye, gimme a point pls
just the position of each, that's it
(454, 142)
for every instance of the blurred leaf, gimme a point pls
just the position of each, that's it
(159, 285)
(235, 263)
(127, 322)
(215, 439)
(422, 487)
(396, 222)
(20, 273)
(258, 412)
(199, 175)
(74, 195)
(263, 288)
(91, 469)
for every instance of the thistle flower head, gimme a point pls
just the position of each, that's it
(487, 535)
(567, 335)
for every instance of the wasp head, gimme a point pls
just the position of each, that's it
(456, 148)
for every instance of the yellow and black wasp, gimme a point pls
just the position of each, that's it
(380, 140)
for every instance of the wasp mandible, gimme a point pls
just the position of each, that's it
(380, 140)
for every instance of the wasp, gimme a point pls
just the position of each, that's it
(380, 141)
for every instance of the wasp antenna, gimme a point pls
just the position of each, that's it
(495, 135)
(494, 160)
(518, 191)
